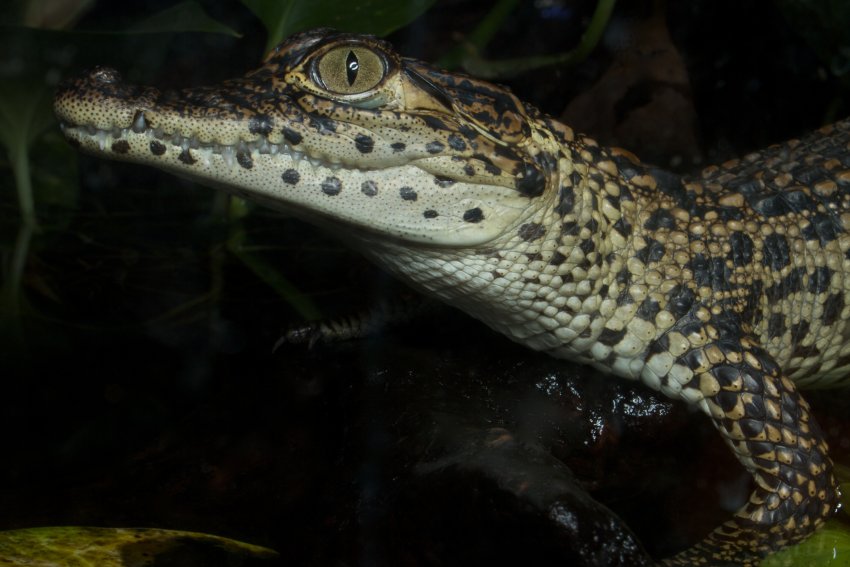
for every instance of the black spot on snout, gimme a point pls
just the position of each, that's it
(331, 186)
(434, 147)
(244, 159)
(292, 136)
(364, 144)
(408, 194)
(473, 215)
(369, 188)
(291, 177)
(187, 157)
(323, 124)
(261, 124)
(157, 147)
(120, 146)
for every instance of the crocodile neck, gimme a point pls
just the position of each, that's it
(551, 282)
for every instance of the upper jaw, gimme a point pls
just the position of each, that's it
(244, 115)
(262, 113)
(79, 101)
(100, 100)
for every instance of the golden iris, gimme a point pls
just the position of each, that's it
(350, 69)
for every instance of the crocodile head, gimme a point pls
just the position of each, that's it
(338, 128)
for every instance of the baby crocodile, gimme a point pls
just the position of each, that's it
(725, 290)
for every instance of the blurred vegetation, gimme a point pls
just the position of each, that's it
(119, 547)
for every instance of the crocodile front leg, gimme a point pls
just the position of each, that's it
(771, 430)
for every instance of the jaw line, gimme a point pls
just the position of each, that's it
(105, 137)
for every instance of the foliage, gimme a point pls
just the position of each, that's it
(118, 547)
(378, 17)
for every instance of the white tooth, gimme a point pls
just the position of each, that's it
(139, 122)
(184, 143)
(229, 155)
(205, 155)
(124, 132)
(263, 146)
(274, 149)
(101, 137)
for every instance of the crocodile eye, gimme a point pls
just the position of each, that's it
(350, 69)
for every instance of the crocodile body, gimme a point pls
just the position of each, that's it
(725, 290)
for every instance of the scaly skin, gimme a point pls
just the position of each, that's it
(721, 290)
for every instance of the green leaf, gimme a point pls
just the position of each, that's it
(379, 17)
(26, 110)
(187, 16)
(118, 547)
(828, 547)
(44, 14)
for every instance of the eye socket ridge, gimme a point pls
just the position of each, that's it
(349, 69)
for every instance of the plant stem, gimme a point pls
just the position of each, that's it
(480, 36)
(511, 67)
(19, 160)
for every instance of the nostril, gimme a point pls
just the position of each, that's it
(105, 75)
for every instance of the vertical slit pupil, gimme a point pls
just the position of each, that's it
(352, 65)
